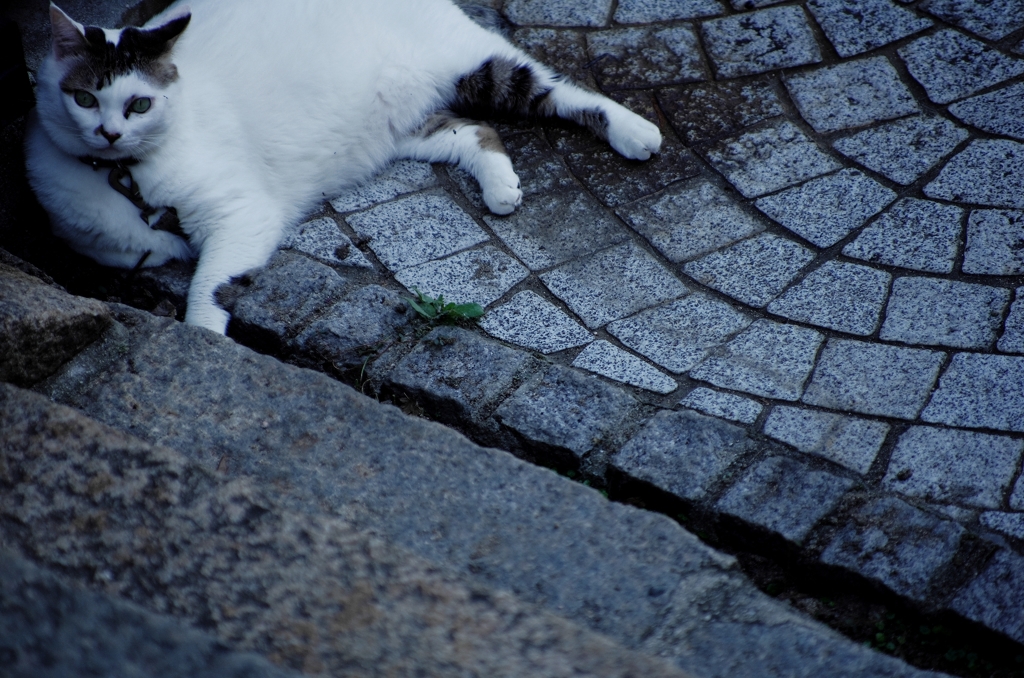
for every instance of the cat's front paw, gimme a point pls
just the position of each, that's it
(503, 199)
(499, 184)
(632, 136)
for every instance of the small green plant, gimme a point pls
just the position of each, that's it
(435, 309)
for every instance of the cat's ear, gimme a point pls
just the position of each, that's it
(68, 34)
(161, 39)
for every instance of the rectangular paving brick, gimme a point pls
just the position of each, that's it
(558, 12)
(723, 405)
(645, 56)
(1012, 340)
(995, 242)
(649, 11)
(944, 312)
(996, 596)
(848, 441)
(839, 295)
(918, 234)
(761, 41)
(321, 238)
(991, 19)
(950, 65)
(479, 276)
(996, 112)
(708, 111)
(608, 360)
(404, 176)
(905, 149)
(980, 391)
(855, 26)
(528, 320)
(987, 172)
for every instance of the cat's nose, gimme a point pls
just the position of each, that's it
(110, 136)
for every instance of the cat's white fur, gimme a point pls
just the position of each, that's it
(278, 106)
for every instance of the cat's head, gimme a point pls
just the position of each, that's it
(108, 93)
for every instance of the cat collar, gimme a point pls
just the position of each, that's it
(119, 172)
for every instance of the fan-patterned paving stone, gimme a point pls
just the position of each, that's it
(905, 149)
(997, 112)
(784, 496)
(649, 11)
(528, 320)
(754, 271)
(405, 176)
(996, 596)
(690, 219)
(753, 4)
(850, 94)
(941, 312)
(746, 44)
(891, 542)
(1012, 340)
(481, 276)
(848, 441)
(987, 172)
(856, 26)
(840, 296)
(1017, 498)
(708, 111)
(612, 284)
(764, 160)
(918, 234)
(990, 19)
(1010, 524)
(980, 391)
(644, 57)
(767, 359)
(723, 405)
(678, 335)
(608, 360)
(950, 65)
(953, 466)
(321, 238)
(562, 49)
(558, 12)
(826, 209)
(995, 242)
(858, 376)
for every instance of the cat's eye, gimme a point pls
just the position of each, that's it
(84, 99)
(140, 105)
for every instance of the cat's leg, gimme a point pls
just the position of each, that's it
(476, 148)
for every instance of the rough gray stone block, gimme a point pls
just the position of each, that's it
(917, 234)
(891, 542)
(480, 276)
(321, 238)
(723, 405)
(994, 242)
(644, 57)
(951, 65)
(754, 271)
(848, 441)
(951, 466)
(980, 391)
(532, 322)
(784, 496)
(608, 360)
(649, 11)
(994, 112)
(889, 381)
(767, 359)
(840, 296)
(944, 312)
(905, 149)
(850, 94)
(42, 327)
(678, 335)
(568, 410)
(405, 176)
(987, 172)
(996, 596)
(993, 20)
(709, 111)
(1012, 340)
(558, 12)
(683, 453)
(564, 50)
(1010, 524)
(760, 41)
(825, 210)
(855, 26)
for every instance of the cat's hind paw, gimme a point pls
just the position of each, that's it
(500, 184)
(632, 136)
(502, 199)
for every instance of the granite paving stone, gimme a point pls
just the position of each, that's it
(1012, 340)
(987, 172)
(848, 441)
(321, 238)
(950, 65)
(416, 229)
(767, 159)
(760, 41)
(529, 320)
(1010, 524)
(404, 176)
(891, 542)
(905, 149)
(996, 112)
(617, 181)
(767, 359)
(682, 452)
(996, 596)
(1017, 498)
(753, 4)
(856, 26)
(612, 284)
(645, 56)
(918, 234)
(479, 276)
(991, 19)
(953, 466)
(784, 496)
(558, 12)
(995, 242)
(650, 11)
(944, 312)
(840, 296)
(724, 405)
(608, 360)
(708, 111)
(850, 94)
(564, 50)
(826, 209)
(679, 334)
(980, 391)
(889, 381)
(690, 219)
(754, 271)
(567, 409)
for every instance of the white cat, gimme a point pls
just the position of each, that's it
(243, 115)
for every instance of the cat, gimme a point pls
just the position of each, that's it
(241, 116)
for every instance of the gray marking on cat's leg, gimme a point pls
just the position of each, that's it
(488, 139)
(593, 119)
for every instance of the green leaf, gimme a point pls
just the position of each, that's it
(468, 310)
(427, 311)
